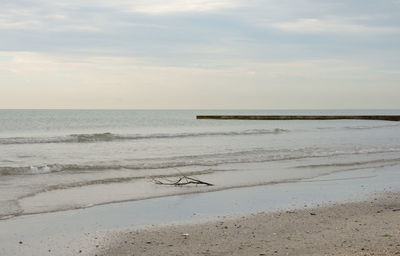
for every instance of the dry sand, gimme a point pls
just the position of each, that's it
(366, 228)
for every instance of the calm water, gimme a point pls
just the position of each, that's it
(53, 160)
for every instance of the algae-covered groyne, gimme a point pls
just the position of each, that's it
(304, 117)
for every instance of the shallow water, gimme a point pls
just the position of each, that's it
(52, 160)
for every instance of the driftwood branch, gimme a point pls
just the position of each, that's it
(181, 181)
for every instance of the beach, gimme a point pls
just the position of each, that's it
(371, 227)
(199, 127)
(77, 182)
(345, 213)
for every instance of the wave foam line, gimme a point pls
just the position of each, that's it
(257, 155)
(106, 137)
(350, 164)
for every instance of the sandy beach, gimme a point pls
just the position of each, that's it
(346, 213)
(370, 227)
(199, 127)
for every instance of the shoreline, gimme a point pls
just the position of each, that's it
(370, 227)
(129, 189)
(91, 229)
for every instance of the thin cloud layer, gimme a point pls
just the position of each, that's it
(332, 26)
(265, 46)
(179, 6)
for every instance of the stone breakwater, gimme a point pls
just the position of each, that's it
(296, 117)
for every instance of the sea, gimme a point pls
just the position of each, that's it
(58, 160)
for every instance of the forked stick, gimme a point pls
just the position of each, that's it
(182, 181)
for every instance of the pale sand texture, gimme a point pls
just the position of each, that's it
(366, 228)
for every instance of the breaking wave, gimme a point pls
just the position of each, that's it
(360, 127)
(352, 164)
(106, 137)
(364, 127)
(249, 156)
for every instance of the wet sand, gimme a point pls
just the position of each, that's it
(371, 227)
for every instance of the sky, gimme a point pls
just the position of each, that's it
(200, 54)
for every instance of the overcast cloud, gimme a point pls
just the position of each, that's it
(199, 54)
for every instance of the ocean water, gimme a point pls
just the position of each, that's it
(54, 160)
